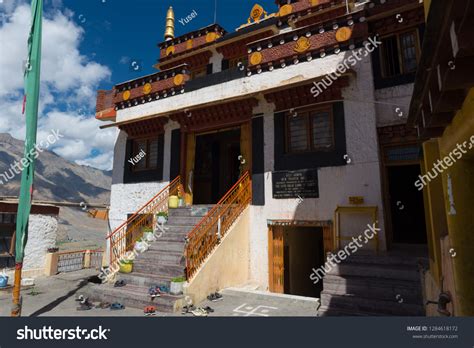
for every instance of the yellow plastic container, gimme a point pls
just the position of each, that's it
(126, 267)
(173, 202)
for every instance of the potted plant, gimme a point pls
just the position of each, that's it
(126, 266)
(177, 285)
(141, 246)
(147, 234)
(162, 217)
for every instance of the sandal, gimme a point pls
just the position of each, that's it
(119, 284)
(150, 310)
(87, 306)
(199, 312)
(208, 309)
(214, 297)
(164, 288)
(103, 305)
(188, 309)
(154, 291)
(116, 306)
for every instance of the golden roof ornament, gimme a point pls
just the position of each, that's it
(256, 13)
(169, 31)
(302, 45)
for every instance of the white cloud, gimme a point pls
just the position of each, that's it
(69, 81)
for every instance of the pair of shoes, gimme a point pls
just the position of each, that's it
(150, 310)
(164, 288)
(188, 309)
(208, 309)
(87, 306)
(116, 306)
(103, 305)
(119, 284)
(214, 297)
(200, 312)
(84, 302)
(154, 291)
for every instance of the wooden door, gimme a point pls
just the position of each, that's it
(328, 240)
(190, 158)
(276, 260)
(246, 146)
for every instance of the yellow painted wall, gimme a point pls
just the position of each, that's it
(228, 265)
(456, 249)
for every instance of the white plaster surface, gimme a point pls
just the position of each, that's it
(389, 100)
(42, 234)
(246, 86)
(359, 178)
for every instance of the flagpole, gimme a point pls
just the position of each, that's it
(32, 86)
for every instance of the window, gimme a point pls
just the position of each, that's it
(7, 231)
(310, 131)
(399, 54)
(144, 154)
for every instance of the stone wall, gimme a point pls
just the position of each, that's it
(42, 235)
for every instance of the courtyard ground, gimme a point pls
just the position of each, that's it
(55, 296)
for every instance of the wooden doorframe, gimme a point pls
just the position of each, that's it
(328, 242)
(188, 147)
(386, 187)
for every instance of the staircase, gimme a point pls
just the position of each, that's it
(191, 235)
(373, 285)
(163, 261)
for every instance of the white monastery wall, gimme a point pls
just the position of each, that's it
(42, 234)
(393, 104)
(359, 178)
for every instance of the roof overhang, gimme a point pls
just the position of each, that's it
(446, 68)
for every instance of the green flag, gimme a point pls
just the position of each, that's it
(32, 86)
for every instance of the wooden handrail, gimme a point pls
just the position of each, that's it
(123, 238)
(143, 207)
(205, 236)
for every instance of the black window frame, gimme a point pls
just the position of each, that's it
(308, 114)
(310, 160)
(137, 175)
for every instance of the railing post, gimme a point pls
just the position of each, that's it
(87, 259)
(51, 264)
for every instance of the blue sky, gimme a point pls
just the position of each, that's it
(117, 32)
(90, 45)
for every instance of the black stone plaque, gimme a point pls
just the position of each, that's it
(295, 184)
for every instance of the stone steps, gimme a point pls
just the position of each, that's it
(162, 262)
(373, 285)
(185, 229)
(369, 306)
(157, 268)
(134, 296)
(401, 272)
(170, 258)
(165, 246)
(195, 210)
(184, 220)
(146, 280)
(385, 289)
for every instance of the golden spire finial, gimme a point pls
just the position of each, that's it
(169, 31)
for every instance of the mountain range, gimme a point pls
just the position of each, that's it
(56, 179)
